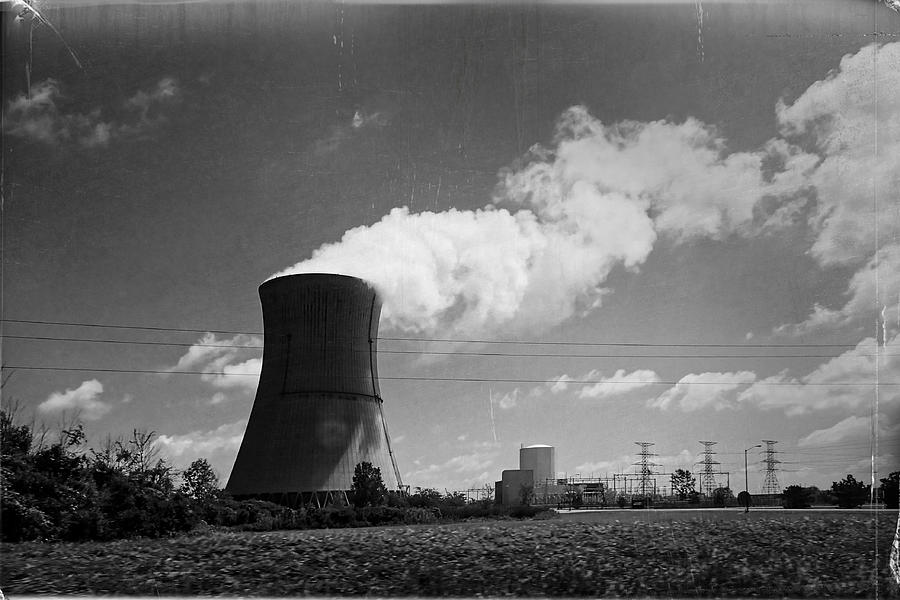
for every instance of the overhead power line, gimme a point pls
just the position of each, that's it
(440, 340)
(429, 352)
(463, 379)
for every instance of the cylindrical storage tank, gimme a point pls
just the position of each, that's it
(317, 411)
(541, 459)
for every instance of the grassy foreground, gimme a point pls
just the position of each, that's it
(824, 556)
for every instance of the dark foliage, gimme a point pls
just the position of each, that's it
(60, 492)
(368, 487)
(199, 482)
(795, 496)
(683, 483)
(890, 490)
(849, 492)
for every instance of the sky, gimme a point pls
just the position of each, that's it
(665, 222)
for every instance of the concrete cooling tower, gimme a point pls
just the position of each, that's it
(318, 408)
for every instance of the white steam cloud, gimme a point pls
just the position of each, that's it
(564, 217)
(593, 203)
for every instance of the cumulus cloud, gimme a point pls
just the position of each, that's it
(851, 120)
(616, 384)
(557, 385)
(42, 116)
(846, 382)
(463, 470)
(853, 428)
(83, 399)
(882, 271)
(224, 362)
(697, 391)
(221, 443)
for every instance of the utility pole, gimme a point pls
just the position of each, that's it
(746, 478)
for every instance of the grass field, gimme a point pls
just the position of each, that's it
(610, 553)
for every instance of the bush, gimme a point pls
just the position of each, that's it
(60, 492)
(849, 492)
(890, 490)
(795, 496)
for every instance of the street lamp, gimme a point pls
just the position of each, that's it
(746, 485)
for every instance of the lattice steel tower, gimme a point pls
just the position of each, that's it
(770, 483)
(646, 484)
(708, 478)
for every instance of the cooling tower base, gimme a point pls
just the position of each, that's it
(319, 499)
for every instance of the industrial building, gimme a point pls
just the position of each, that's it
(318, 408)
(535, 478)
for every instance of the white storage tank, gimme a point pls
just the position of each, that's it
(539, 458)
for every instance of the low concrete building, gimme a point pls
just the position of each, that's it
(517, 487)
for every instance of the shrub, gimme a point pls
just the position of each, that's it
(795, 496)
(849, 492)
(890, 490)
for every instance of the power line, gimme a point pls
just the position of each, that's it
(462, 379)
(442, 340)
(429, 352)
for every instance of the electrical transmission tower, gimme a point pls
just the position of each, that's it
(770, 483)
(707, 477)
(646, 484)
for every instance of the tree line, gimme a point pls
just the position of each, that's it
(63, 490)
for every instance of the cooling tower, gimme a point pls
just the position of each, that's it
(318, 409)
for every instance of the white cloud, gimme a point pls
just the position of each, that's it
(218, 398)
(459, 471)
(851, 119)
(881, 271)
(184, 448)
(559, 384)
(851, 428)
(508, 400)
(619, 464)
(41, 116)
(83, 399)
(696, 391)
(617, 384)
(223, 362)
(846, 382)
(243, 375)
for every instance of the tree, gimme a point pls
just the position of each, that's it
(890, 490)
(15, 440)
(849, 492)
(683, 483)
(795, 496)
(722, 496)
(425, 498)
(199, 481)
(368, 487)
